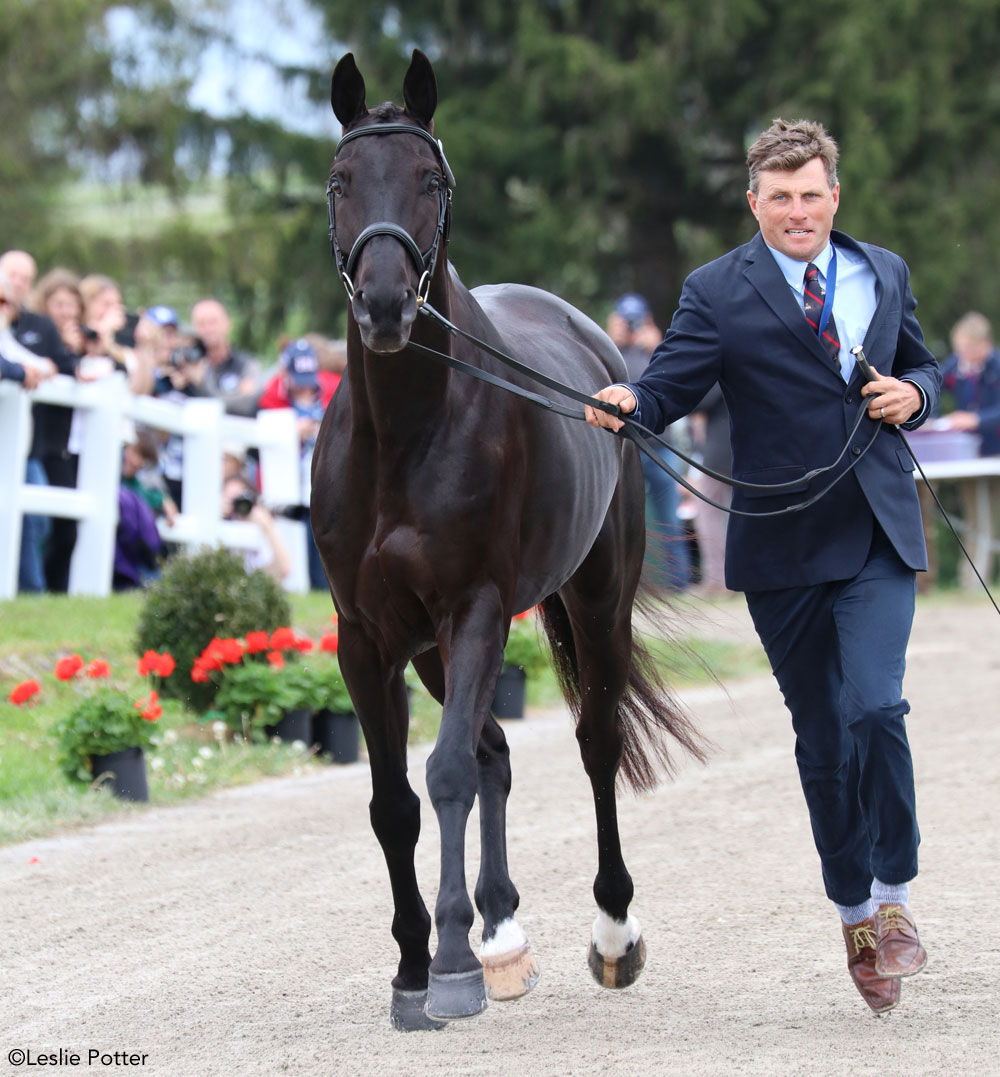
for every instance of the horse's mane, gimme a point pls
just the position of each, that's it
(387, 112)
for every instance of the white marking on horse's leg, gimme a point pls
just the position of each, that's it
(507, 937)
(614, 938)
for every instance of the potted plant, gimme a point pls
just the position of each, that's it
(523, 657)
(250, 698)
(336, 730)
(103, 737)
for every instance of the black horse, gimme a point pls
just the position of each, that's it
(442, 506)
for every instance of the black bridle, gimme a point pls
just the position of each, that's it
(424, 261)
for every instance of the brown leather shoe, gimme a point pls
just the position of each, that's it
(880, 992)
(898, 951)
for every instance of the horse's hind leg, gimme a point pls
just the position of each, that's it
(379, 695)
(597, 634)
(510, 968)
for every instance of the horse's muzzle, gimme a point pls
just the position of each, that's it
(385, 319)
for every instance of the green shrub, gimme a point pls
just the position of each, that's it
(200, 597)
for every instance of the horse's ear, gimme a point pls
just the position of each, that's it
(347, 91)
(420, 93)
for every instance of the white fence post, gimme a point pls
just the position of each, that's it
(98, 477)
(15, 424)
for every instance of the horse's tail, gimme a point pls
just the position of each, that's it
(648, 709)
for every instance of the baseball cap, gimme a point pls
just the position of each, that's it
(162, 315)
(300, 360)
(633, 308)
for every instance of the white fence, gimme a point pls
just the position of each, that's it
(205, 428)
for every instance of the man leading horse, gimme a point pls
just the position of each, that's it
(830, 589)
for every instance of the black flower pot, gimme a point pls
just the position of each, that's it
(508, 700)
(294, 725)
(337, 735)
(126, 771)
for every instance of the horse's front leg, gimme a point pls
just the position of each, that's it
(471, 647)
(379, 696)
(510, 967)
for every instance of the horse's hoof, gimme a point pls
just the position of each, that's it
(617, 971)
(510, 975)
(406, 1013)
(453, 995)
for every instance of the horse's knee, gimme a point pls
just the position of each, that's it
(451, 778)
(395, 820)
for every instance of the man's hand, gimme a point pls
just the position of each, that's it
(893, 400)
(614, 394)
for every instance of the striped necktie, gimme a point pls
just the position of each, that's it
(815, 297)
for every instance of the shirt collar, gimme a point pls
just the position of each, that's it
(793, 270)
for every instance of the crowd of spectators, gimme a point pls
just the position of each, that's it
(79, 326)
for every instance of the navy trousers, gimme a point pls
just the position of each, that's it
(838, 654)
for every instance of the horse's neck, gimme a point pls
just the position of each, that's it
(396, 397)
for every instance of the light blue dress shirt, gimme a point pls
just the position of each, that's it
(854, 301)
(854, 298)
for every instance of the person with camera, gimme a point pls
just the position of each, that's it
(229, 374)
(180, 379)
(240, 502)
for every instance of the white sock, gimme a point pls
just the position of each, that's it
(854, 914)
(888, 894)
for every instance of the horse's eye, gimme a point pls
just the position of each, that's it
(336, 187)
(433, 184)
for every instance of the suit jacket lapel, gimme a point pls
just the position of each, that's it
(763, 273)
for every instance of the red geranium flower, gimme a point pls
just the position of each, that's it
(524, 614)
(166, 664)
(231, 650)
(67, 668)
(329, 641)
(97, 669)
(304, 644)
(276, 658)
(257, 642)
(150, 708)
(282, 639)
(199, 674)
(22, 692)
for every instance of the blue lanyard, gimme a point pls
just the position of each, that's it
(831, 287)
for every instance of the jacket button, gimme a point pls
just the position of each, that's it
(849, 399)
(855, 450)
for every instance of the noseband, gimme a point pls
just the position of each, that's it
(424, 261)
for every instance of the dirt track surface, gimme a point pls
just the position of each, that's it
(249, 933)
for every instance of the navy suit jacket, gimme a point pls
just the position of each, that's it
(740, 324)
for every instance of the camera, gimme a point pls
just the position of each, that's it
(192, 353)
(88, 333)
(243, 503)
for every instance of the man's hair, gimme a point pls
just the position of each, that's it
(788, 145)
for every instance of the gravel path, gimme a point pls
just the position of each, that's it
(249, 933)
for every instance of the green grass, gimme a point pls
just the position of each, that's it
(191, 759)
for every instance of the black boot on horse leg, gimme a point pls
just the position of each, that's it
(510, 968)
